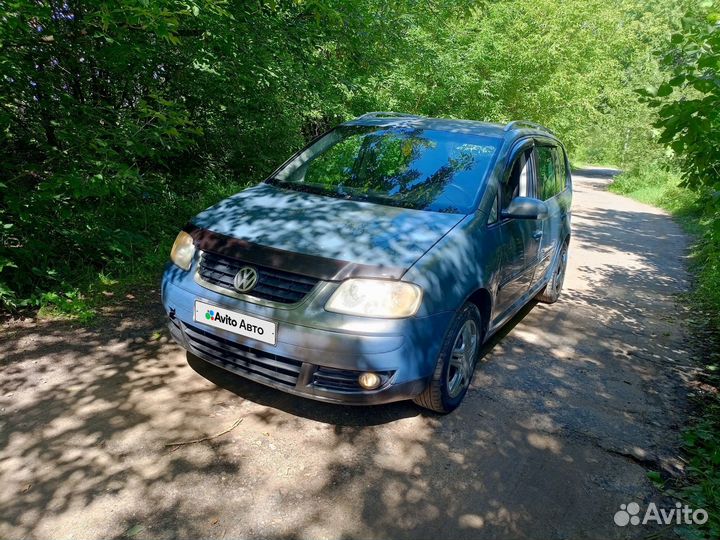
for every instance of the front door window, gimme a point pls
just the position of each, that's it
(520, 182)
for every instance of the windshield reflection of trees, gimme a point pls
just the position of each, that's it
(401, 166)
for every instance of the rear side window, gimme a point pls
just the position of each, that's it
(546, 172)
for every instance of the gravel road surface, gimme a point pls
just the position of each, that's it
(571, 407)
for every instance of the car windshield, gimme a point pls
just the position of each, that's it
(414, 168)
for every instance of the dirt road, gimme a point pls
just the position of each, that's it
(572, 405)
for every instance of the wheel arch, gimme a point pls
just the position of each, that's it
(483, 300)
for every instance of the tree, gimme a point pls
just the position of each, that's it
(689, 101)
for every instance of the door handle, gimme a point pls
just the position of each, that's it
(537, 235)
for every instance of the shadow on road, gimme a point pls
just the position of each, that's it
(571, 404)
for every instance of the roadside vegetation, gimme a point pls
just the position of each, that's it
(687, 183)
(696, 210)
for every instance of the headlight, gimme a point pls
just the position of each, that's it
(183, 250)
(376, 298)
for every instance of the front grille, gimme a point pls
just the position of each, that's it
(274, 285)
(237, 357)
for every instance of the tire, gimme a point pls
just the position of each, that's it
(551, 292)
(456, 363)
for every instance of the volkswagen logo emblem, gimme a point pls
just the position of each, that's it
(245, 279)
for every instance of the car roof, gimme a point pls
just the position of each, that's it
(511, 130)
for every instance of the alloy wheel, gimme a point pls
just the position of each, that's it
(462, 359)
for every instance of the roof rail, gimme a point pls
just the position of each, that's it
(389, 114)
(524, 123)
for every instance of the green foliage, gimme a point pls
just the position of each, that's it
(688, 101)
(120, 119)
(702, 444)
(568, 65)
(71, 304)
(657, 185)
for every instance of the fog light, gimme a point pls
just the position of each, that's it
(369, 381)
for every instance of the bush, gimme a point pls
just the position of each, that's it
(702, 488)
(657, 185)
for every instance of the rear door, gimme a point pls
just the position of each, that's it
(551, 183)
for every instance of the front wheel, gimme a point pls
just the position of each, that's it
(552, 290)
(456, 363)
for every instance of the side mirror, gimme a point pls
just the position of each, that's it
(525, 208)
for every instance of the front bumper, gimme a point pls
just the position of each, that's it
(315, 356)
(304, 384)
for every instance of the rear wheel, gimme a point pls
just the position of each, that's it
(456, 363)
(552, 290)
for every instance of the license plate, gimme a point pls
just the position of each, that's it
(235, 322)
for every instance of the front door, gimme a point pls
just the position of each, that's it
(520, 237)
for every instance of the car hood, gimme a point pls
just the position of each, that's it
(367, 234)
